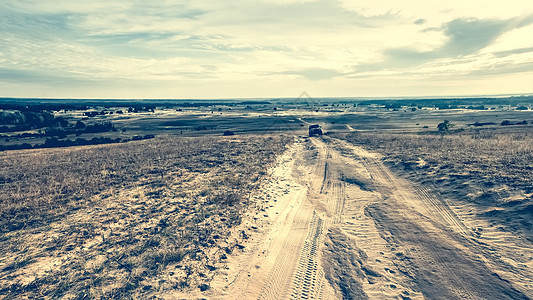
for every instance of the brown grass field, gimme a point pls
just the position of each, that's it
(125, 220)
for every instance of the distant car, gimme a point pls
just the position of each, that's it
(315, 130)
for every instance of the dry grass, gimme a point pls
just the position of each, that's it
(125, 220)
(492, 168)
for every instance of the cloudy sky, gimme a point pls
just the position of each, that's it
(264, 48)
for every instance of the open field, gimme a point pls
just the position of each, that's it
(128, 219)
(383, 206)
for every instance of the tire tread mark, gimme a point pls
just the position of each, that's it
(377, 168)
(307, 281)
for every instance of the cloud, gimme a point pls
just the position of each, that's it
(18, 76)
(513, 51)
(464, 37)
(524, 21)
(203, 42)
(501, 68)
(314, 74)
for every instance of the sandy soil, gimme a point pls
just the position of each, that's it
(282, 258)
(337, 224)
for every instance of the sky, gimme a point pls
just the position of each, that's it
(267, 48)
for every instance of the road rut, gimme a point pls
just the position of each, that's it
(351, 228)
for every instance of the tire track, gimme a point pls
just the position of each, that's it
(435, 259)
(296, 273)
(339, 200)
(389, 239)
(278, 280)
(430, 244)
(434, 207)
(443, 210)
(333, 185)
(430, 249)
(308, 279)
(433, 247)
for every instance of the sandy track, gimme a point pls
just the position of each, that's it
(348, 228)
(282, 259)
(430, 245)
(297, 273)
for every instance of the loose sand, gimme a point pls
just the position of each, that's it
(338, 224)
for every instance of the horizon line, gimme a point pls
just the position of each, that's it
(361, 98)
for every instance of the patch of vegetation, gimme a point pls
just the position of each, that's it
(125, 220)
(507, 123)
(56, 143)
(27, 124)
(24, 120)
(444, 127)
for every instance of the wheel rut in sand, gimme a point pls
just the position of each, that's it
(428, 241)
(308, 280)
(417, 197)
(279, 278)
(325, 202)
(297, 273)
(357, 230)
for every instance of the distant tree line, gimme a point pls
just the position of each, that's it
(56, 143)
(86, 104)
(25, 120)
(480, 103)
(80, 128)
(47, 124)
(17, 104)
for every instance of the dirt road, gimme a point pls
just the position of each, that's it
(339, 225)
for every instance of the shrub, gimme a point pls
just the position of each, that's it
(505, 123)
(444, 127)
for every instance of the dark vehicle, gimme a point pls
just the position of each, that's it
(315, 130)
